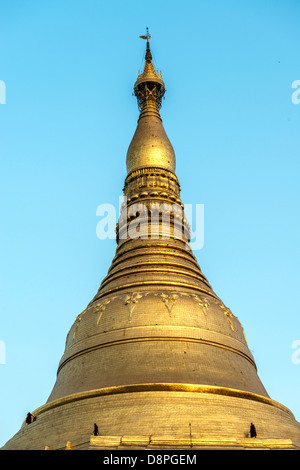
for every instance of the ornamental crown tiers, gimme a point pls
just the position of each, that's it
(149, 84)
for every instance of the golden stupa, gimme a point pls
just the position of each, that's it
(156, 359)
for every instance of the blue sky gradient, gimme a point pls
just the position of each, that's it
(69, 69)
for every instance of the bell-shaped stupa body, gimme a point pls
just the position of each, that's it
(156, 359)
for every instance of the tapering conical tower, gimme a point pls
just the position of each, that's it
(156, 359)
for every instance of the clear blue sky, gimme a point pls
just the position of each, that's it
(69, 68)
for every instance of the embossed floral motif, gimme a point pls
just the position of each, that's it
(131, 300)
(169, 301)
(99, 309)
(202, 302)
(77, 321)
(228, 314)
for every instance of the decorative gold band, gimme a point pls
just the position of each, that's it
(160, 387)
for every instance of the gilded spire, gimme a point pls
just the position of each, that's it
(150, 146)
